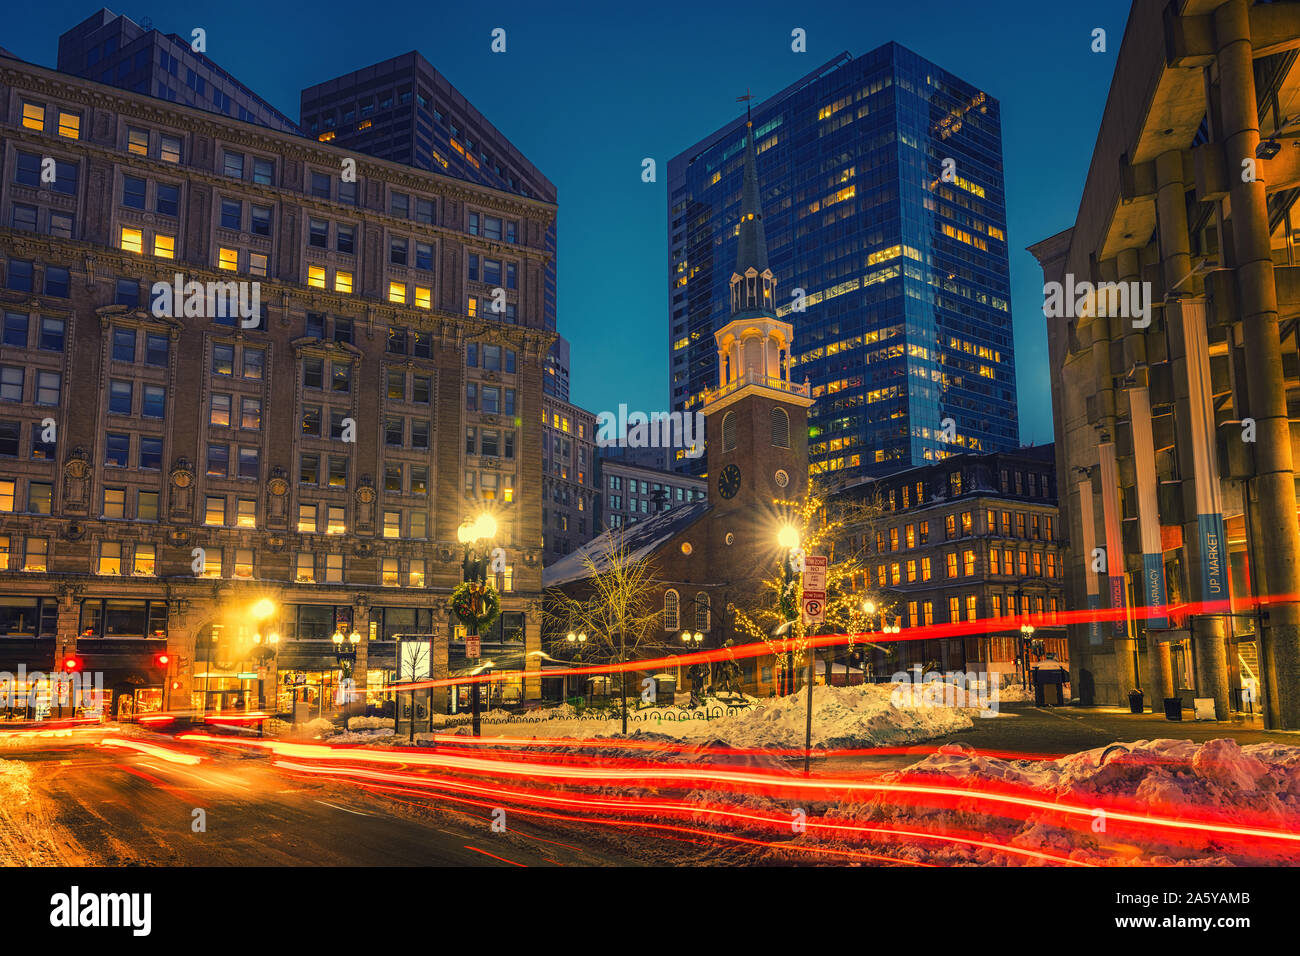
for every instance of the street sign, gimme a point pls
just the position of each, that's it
(814, 573)
(472, 646)
(814, 588)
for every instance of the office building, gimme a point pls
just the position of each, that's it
(112, 49)
(191, 482)
(404, 110)
(885, 220)
(569, 488)
(630, 493)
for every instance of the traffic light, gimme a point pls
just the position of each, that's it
(161, 661)
(72, 664)
(176, 685)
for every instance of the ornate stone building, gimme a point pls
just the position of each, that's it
(192, 484)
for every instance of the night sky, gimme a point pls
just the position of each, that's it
(586, 91)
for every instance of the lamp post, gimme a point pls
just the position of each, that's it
(474, 568)
(692, 640)
(576, 643)
(788, 539)
(1026, 636)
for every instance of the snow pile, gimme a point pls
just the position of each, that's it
(319, 727)
(1219, 782)
(15, 783)
(868, 715)
(371, 723)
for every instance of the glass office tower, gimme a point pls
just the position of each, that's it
(882, 196)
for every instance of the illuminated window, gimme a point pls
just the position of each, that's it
(391, 577)
(925, 569)
(34, 557)
(968, 563)
(244, 562)
(69, 125)
(316, 277)
(971, 602)
(246, 516)
(306, 519)
(137, 141)
(132, 241)
(215, 511)
(164, 247)
(333, 569)
(212, 563)
(342, 282)
(305, 571)
(951, 559)
(336, 523)
(423, 297)
(415, 578)
(397, 292)
(392, 524)
(145, 559)
(110, 557)
(34, 116)
(227, 259)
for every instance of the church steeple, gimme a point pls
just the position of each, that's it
(753, 288)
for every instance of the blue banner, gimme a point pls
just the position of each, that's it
(1214, 568)
(1094, 625)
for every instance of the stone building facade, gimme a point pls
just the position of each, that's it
(162, 475)
(1170, 305)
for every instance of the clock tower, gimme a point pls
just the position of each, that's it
(756, 419)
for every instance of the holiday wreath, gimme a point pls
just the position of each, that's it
(475, 605)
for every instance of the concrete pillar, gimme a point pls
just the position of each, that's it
(1126, 676)
(183, 621)
(361, 624)
(1208, 632)
(440, 667)
(1160, 664)
(1274, 481)
(532, 649)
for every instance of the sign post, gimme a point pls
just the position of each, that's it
(814, 613)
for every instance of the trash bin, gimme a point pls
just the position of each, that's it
(1135, 699)
(1173, 708)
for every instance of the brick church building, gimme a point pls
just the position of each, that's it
(707, 554)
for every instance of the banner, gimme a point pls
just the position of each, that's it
(1087, 520)
(1144, 463)
(1114, 542)
(1211, 555)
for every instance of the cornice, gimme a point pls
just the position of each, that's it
(286, 145)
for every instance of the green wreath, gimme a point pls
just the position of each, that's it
(475, 605)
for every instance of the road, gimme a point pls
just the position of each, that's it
(98, 807)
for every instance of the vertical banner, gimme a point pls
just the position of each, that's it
(1144, 462)
(1114, 542)
(1200, 422)
(1088, 520)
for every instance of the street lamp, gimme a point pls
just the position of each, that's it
(575, 642)
(474, 568)
(1026, 636)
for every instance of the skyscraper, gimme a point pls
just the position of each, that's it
(404, 110)
(113, 49)
(886, 230)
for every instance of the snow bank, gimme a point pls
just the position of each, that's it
(15, 781)
(371, 723)
(868, 715)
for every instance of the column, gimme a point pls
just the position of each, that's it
(1274, 478)
(1203, 539)
(532, 649)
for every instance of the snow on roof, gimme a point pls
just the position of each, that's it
(639, 539)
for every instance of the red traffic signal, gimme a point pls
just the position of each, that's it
(72, 664)
(161, 660)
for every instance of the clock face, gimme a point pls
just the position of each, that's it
(729, 481)
(782, 478)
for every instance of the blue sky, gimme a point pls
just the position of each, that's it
(587, 90)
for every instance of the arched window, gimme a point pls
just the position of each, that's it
(729, 431)
(672, 620)
(702, 612)
(780, 428)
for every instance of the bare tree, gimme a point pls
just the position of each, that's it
(617, 605)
